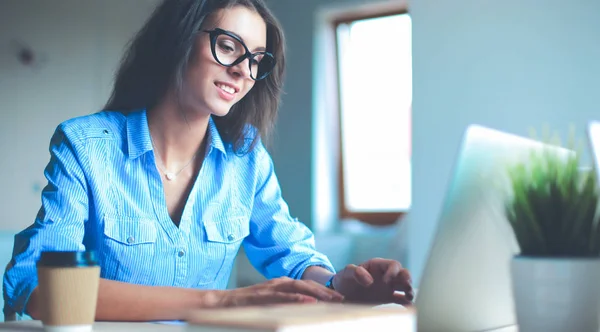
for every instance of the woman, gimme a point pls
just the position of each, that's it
(172, 178)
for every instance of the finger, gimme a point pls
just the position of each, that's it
(313, 289)
(282, 297)
(402, 281)
(335, 295)
(285, 297)
(362, 276)
(378, 265)
(393, 269)
(400, 298)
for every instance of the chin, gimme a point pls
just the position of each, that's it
(220, 112)
(216, 107)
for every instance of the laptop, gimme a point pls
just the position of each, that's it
(466, 284)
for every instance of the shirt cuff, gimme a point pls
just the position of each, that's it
(320, 263)
(18, 305)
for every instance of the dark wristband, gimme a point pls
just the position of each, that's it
(329, 283)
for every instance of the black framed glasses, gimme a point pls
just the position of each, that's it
(229, 50)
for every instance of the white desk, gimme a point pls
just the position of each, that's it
(36, 326)
(513, 328)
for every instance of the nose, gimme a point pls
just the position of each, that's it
(241, 70)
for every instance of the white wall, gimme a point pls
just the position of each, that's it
(510, 64)
(79, 44)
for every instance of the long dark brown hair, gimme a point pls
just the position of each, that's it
(158, 57)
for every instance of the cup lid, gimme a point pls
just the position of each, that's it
(68, 259)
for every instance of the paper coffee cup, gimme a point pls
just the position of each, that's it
(68, 287)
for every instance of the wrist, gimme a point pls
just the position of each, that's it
(210, 299)
(317, 273)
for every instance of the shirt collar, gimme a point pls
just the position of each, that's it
(139, 141)
(138, 134)
(214, 138)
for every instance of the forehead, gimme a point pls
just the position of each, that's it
(242, 21)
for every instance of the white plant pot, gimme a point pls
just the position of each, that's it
(556, 294)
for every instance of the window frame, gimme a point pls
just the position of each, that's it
(371, 218)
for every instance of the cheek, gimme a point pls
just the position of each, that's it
(248, 87)
(204, 66)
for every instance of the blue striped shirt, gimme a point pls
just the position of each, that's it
(104, 192)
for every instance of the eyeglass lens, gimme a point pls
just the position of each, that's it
(229, 49)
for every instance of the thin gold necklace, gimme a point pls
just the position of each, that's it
(170, 175)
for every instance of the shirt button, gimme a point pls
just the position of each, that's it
(230, 237)
(181, 253)
(130, 240)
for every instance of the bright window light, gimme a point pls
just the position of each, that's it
(375, 69)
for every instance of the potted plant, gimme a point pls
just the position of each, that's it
(552, 208)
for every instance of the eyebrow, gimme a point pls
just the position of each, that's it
(258, 49)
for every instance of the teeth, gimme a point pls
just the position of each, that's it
(227, 88)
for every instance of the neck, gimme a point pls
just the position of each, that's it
(178, 134)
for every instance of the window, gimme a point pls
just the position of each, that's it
(375, 97)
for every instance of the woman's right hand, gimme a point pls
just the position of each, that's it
(280, 290)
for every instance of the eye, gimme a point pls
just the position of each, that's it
(226, 46)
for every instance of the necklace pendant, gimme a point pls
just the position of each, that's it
(170, 176)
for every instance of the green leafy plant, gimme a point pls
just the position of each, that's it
(553, 206)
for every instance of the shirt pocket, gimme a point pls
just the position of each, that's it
(130, 247)
(223, 239)
(228, 231)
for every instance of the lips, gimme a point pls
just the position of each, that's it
(226, 91)
(227, 87)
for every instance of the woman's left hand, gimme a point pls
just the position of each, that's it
(376, 281)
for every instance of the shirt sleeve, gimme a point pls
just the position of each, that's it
(59, 224)
(278, 245)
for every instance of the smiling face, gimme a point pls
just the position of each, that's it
(210, 87)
